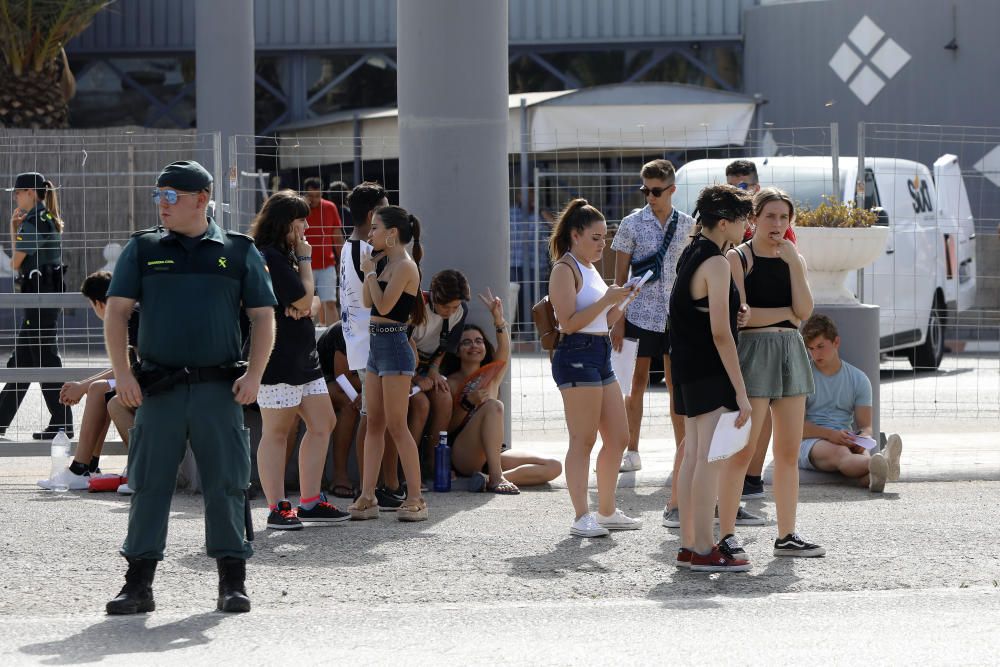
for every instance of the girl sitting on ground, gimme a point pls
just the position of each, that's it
(476, 431)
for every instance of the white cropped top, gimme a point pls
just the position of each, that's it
(591, 291)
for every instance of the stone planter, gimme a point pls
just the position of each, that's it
(833, 252)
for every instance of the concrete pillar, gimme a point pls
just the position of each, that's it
(859, 344)
(224, 85)
(452, 93)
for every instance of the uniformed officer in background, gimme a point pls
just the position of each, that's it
(36, 255)
(191, 278)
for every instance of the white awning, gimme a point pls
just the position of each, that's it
(621, 117)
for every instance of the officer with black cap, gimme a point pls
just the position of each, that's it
(36, 252)
(191, 278)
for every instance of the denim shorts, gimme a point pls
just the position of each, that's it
(582, 360)
(389, 351)
(805, 448)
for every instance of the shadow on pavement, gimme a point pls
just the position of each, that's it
(571, 554)
(125, 635)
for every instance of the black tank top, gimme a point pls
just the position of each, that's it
(693, 354)
(402, 310)
(768, 285)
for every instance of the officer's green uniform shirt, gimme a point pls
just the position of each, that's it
(191, 291)
(39, 239)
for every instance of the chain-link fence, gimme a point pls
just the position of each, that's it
(103, 180)
(937, 278)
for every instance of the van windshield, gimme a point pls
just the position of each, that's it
(806, 184)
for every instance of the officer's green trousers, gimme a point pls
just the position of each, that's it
(206, 415)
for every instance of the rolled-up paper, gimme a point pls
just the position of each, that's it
(347, 387)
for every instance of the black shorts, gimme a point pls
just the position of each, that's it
(651, 343)
(108, 395)
(704, 395)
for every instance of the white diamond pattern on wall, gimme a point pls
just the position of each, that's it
(860, 50)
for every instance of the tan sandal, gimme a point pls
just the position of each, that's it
(412, 510)
(363, 509)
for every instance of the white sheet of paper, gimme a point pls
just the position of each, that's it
(111, 382)
(637, 282)
(865, 442)
(623, 364)
(727, 439)
(346, 385)
(414, 390)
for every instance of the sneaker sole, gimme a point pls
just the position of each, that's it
(752, 496)
(721, 568)
(341, 519)
(800, 553)
(276, 527)
(670, 524)
(630, 469)
(588, 533)
(622, 526)
(893, 450)
(750, 522)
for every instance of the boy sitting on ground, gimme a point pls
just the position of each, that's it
(101, 407)
(839, 415)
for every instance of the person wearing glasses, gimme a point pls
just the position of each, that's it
(191, 278)
(650, 238)
(36, 255)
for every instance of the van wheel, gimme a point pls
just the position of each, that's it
(928, 355)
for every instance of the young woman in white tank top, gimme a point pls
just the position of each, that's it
(586, 308)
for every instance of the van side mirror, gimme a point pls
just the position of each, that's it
(882, 217)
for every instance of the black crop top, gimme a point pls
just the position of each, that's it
(693, 354)
(767, 285)
(402, 310)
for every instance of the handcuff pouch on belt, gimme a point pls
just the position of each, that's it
(155, 379)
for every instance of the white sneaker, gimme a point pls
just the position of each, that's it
(72, 480)
(878, 473)
(630, 462)
(125, 490)
(587, 526)
(892, 451)
(618, 521)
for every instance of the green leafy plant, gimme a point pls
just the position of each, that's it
(835, 213)
(35, 83)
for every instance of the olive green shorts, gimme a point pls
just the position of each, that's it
(775, 364)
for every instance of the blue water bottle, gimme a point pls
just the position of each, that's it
(442, 464)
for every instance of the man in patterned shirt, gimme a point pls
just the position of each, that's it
(641, 235)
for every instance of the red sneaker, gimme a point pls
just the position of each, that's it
(683, 557)
(716, 561)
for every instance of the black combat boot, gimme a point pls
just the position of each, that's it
(137, 593)
(232, 592)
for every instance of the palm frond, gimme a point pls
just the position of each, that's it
(33, 31)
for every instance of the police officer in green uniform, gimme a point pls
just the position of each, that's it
(36, 242)
(191, 278)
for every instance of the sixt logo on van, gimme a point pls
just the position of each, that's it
(920, 195)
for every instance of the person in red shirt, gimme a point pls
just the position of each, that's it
(324, 233)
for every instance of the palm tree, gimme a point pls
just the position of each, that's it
(35, 81)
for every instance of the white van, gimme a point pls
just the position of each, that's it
(927, 273)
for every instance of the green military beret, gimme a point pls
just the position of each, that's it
(185, 175)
